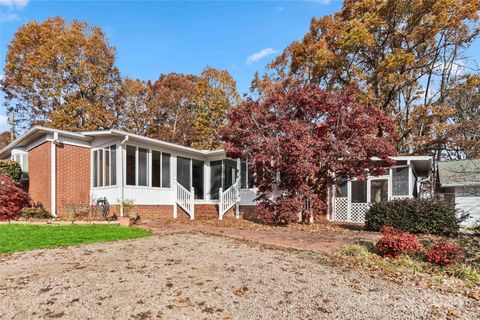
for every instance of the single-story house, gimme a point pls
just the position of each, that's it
(460, 182)
(66, 169)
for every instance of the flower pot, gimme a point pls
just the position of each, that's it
(126, 221)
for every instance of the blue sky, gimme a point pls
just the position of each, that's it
(153, 37)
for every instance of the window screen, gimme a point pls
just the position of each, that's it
(131, 165)
(156, 167)
(215, 178)
(243, 175)
(107, 166)
(229, 173)
(183, 172)
(165, 170)
(341, 189)
(400, 181)
(142, 167)
(359, 191)
(95, 168)
(197, 178)
(100, 168)
(113, 165)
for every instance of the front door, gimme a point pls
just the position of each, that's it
(378, 190)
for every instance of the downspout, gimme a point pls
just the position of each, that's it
(122, 178)
(53, 169)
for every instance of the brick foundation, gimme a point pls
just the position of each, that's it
(154, 212)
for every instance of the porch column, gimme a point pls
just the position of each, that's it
(349, 200)
(239, 174)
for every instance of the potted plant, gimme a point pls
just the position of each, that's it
(129, 216)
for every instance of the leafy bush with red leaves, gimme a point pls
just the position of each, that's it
(12, 198)
(445, 254)
(394, 243)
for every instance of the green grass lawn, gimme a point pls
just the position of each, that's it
(17, 237)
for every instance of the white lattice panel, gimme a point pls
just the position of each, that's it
(358, 211)
(341, 209)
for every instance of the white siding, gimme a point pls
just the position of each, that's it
(470, 205)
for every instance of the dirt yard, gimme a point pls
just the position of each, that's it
(194, 276)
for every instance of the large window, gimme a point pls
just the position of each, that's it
(160, 169)
(147, 167)
(400, 181)
(105, 167)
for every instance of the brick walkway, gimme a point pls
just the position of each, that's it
(326, 237)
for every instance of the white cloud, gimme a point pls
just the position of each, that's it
(17, 4)
(9, 17)
(260, 54)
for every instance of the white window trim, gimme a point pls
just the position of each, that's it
(97, 165)
(149, 168)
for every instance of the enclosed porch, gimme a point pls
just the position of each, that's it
(351, 199)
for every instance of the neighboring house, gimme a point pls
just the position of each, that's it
(350, 200)
(68, 169)
(460, 182)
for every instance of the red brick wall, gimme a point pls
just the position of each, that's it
(39, 166)
(154, 212)
(73, 176)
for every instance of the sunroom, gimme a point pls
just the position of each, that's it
(351, 199)
(158, 173)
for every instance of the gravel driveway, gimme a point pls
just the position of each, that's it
(193, 276)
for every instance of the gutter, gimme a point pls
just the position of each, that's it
(122, 170)
(53, 178)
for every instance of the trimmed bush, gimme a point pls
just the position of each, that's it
(445, 254)
(11, 168)
(36, 211)
(12, 198)
(395, 243)
(414, 215)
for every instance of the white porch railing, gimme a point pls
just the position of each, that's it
(185, 199)
(228, 199)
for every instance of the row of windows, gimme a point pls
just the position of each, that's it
(378, 188)
(105, 166)
(138, 167)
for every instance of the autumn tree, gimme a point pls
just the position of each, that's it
(172, 108)
(61, 74)
(12, 198)
(402, 54)
(299, 140)
(135, 114)
(215, 96)
(4, 139)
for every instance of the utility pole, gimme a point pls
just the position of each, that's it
(12, 127)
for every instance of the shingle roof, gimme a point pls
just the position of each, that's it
(459, 173)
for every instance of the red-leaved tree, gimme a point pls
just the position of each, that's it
(298, 141)
(12, 198)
